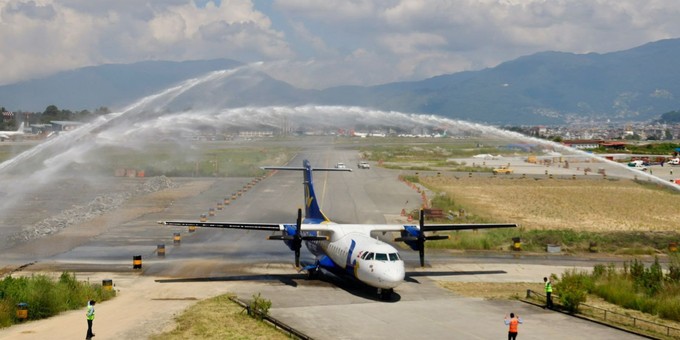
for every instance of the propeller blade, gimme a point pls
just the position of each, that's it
(297, 257)
(315, 238)
(297, 241)
(437, 237)
(298, 223)
(280, 237)
(421, 238)
(405, 239)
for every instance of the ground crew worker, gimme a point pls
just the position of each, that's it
(513, 323)
(548, 293)
(90, 318)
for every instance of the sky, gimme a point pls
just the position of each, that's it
(318, 44)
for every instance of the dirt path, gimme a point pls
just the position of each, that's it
(140, 309)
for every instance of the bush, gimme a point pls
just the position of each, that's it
(46, 297)
(649, 280)
(259, 307)
(572, 289)
(674, 269)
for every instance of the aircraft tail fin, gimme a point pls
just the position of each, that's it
(312, 208)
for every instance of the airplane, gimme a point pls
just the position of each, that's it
(346, 249)
(10, 134)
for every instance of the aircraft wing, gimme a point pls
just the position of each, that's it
(437, 227)
(250, 226)
(227, 225)
(441, 227)
(331, 227)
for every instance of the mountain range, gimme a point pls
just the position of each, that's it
(638, 84)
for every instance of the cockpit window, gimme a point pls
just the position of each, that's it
(369, 256)
(394, 257)
(381, 257)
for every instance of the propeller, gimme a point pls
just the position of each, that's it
(297, 238)
(420, 238)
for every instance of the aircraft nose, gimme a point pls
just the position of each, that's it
(393, 275)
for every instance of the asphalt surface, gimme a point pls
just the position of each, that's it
(331, 308)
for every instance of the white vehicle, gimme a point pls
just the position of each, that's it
(674, 161)
(340, 166)
(638, 164)
(363, 165)
(346, 249)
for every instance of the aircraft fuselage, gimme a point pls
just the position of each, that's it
(356, 253)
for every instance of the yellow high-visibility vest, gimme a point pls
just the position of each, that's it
(90, 312)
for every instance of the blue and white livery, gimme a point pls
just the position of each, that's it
(346, 248)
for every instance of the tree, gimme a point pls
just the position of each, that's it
(51, 110)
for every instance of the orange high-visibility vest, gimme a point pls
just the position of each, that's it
(513, 325)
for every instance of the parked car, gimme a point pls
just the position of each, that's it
(363, 165)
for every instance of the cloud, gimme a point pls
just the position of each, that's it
(317, 44)
(42, 37)
(418, 39)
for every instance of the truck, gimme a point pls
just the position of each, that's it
(503, 169)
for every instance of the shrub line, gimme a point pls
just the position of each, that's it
(583, 317)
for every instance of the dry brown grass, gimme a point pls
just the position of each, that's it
(491, 290)
(584, 204)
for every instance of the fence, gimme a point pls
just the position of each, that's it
(292, 332)
(619, 319)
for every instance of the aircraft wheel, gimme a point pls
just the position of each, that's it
(312, 274)
(386, 294)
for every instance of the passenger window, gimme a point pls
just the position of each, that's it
(381, 257)
(394, 257)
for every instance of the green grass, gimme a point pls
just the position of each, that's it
(45, 296)
(630, 288)
(570, 241)
(199, 160)
(432, 151)
(218, 318)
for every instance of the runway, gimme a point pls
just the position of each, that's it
(245, 263)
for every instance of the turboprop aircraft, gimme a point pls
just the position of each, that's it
(346, 249)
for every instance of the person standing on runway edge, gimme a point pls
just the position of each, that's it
(548, 293)
(90, 317)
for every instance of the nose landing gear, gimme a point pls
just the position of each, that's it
(385, 294)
